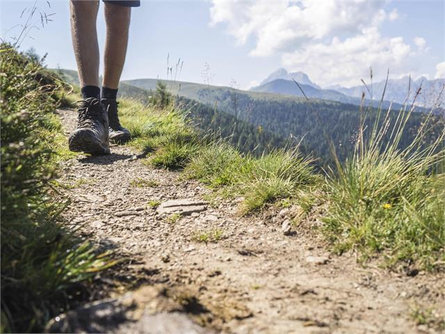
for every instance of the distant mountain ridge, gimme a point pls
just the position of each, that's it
(281, 73)
(400, 91)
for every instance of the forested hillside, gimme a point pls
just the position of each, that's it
(318, 123)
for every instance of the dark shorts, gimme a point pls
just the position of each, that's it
(125, 3)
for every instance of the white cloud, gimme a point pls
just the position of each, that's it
(349, 60)
(420, 42)
(394, 15)
(281, 25)
(334, 41)
(440, 71)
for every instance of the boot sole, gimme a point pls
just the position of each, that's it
(84, 140)
(120, 138)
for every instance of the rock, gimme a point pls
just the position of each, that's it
(182, 202)
(91, 318)
(190, 249)
(97, 224)
(144, 311)
(168, 323)
(126, 213)
(283, 212)
(212, 218)
(214, 273)
(286, 227)
(182, 206)
(317, 259)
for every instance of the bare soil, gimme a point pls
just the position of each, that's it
(229, 273)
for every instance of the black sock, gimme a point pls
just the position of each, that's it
(108, 93)
(90, 91)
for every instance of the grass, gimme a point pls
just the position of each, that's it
(44, 268)
(161, 131)
(72, 185)
(214, 235)
(428, 316)
(277, 175)
(385, 200)
(154, 203)
(143, 183)
(216, 165)
(174, 218)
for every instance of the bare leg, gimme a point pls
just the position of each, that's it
(118, 22)
(84, 35)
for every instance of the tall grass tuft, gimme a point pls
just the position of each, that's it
(161, 130)
(217, 164)
(42, 265)
(276, 175)
(387, 199)
(273, 176)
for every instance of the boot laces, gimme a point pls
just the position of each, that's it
(89, 110)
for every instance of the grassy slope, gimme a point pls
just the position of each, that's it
(382, 200)
(43, 265)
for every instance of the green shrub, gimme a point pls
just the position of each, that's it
(41, 264)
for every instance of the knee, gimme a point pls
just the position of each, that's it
(118, 16)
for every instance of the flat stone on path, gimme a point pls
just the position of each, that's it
(317, 259)
(182, 206)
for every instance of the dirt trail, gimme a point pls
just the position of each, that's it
(254, 279)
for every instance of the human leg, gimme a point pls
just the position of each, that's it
(91, 134)
(85, 45)
(117, 19)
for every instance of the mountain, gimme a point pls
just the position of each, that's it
(282, 82)
(288, 87)
(402, 91)
(300, 77)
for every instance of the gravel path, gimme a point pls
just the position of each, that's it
(254, 277)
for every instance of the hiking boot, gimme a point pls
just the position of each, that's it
(91, 135)
(118, 134)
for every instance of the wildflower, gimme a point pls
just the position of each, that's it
(387, 206)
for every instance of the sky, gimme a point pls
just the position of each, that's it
(238, 43)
